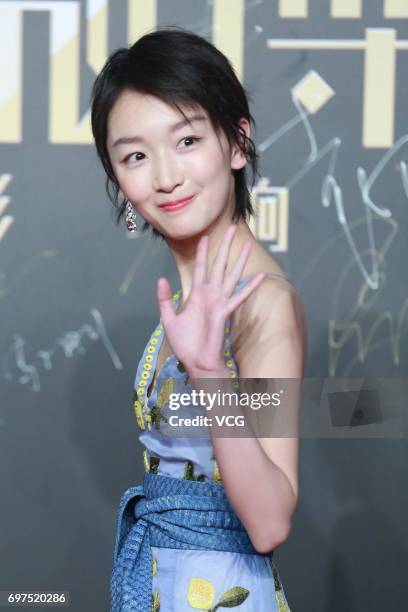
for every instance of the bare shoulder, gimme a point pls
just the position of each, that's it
(274, 307)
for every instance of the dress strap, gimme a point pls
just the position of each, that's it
(273, 274)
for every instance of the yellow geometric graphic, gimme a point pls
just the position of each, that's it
(346, 9)
(6, 221)
(342, 9)
(293, 8)
(270, 221)
(66, 125)
(379, 48)
(312, 91)
(142, 18)
(395, 9)
(228, 31)
(379, 88)
(96, 33)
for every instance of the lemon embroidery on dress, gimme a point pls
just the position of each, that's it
(165, 392)
(201, 593)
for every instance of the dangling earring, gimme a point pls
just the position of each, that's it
(130, 217)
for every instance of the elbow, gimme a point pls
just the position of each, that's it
(265, 543)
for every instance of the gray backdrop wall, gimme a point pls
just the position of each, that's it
(328, 81)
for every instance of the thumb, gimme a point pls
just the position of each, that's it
(164, 298)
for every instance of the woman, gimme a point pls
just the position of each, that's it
(171, 124)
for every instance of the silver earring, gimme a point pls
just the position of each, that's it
(130, 217)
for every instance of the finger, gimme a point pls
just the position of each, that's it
(238, 298)
(164, 298)
(221, 259)
(200, 264)
(237, 269)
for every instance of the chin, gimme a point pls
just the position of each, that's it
(182, 229)
(181, 234)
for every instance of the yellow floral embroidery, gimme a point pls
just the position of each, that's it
(154, 566)
(280, 597)
(216, 473)
(282, 607)
(138, 407)
(200, 594)
(146, 464)
(139, 398)
(156, 602)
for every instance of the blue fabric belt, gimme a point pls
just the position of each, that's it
(170, 513)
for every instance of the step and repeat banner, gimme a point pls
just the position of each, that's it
(328, 81)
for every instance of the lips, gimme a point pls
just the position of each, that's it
(176, 204)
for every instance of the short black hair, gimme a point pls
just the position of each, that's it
(181, 69)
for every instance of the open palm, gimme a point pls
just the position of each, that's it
(196, 333)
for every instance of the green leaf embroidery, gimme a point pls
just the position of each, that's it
(156, 416)
(154, 464)
(180, 367)
(189, 472)
(232, 598)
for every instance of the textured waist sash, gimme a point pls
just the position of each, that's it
(169, 513)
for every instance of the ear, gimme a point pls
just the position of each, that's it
(238, 158)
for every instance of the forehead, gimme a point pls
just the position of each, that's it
(147, 114)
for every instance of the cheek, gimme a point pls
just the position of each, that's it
(133, 185)
(208, 171)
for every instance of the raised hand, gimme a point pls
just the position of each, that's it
(196, 334)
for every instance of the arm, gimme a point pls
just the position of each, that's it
(260, 475)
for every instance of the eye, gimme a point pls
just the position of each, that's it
(194, 138)
(127, 158)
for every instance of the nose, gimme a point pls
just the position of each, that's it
(168, 174)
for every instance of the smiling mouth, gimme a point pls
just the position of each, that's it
(177, 205)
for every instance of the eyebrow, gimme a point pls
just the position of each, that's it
(173, 128)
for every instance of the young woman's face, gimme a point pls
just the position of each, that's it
(157, 159)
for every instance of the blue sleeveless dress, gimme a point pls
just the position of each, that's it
(185, 580)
